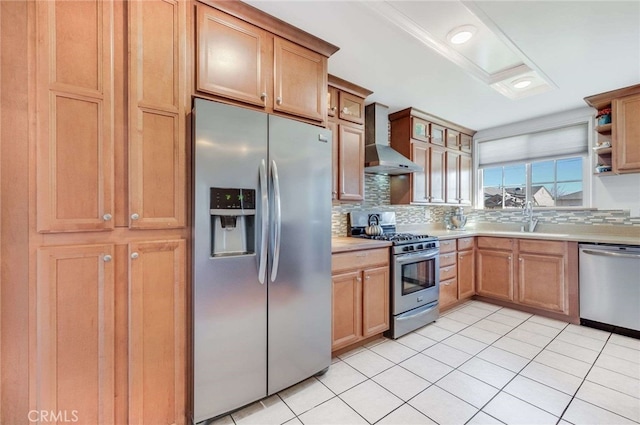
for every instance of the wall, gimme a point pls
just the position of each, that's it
(619, 192)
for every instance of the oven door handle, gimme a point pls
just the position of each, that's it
(411, 258)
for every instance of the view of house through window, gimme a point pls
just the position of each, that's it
(552, 183)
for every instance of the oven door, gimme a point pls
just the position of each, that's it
(415, 280)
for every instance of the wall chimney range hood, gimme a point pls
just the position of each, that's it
(379, 157)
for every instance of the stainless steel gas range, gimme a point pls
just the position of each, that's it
(415, 280)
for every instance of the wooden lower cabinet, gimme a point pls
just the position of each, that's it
(375, 301)
(157, 332)
(544, 278)
(466, 273)
(75, 333)
(77, 354)
(360, 296)
(346, 308)
(495, 274)
(448, 292)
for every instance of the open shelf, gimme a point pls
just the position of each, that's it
(602, 129)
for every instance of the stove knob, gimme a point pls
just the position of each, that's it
(419, 247)
(405, 248)
(411, 248)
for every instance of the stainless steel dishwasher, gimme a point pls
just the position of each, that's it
(610, 287)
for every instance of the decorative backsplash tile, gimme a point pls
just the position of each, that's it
(552, 216)
(377, 197)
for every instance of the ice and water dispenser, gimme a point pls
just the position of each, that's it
(233, 213)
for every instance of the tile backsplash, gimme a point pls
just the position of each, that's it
(377, 197)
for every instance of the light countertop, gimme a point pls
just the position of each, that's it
(346, 244)
(625, 235)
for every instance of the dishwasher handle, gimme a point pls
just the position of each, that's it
(610, 254)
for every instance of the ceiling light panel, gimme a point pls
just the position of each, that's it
(489, 55)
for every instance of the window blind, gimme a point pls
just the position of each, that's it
(559, 142)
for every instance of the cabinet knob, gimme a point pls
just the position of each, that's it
(106, 258)
(509, 257)
(345, 111)
(263, 96)
(367, 277)
(135, 216)
(359, 279)
(106, 217)
(279, 100)
(134, 255)
(333, 108)
(520, 259)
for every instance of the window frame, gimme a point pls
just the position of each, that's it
(585, 174)
(583, 115)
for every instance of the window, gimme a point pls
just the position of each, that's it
(548, 168)
(552, 183)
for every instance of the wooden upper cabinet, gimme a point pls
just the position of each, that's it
(465, 179)
(157, 109)
(453, 182)
(157, 333)
(335, 159)
(351, 163)
(437, 175)
(351, 108)
(419, 129)
(74, 124)
(248, 57)
(234, 58)
(332, 101)
(437, 135)
(453, 139)
(300, 80)
(74, 333)
(626, 116)
(466, 143)
(420, 179)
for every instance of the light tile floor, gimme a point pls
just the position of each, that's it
(478, 364)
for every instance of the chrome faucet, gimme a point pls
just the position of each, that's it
(531, 223)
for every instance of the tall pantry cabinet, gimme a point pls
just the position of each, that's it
(100, 155)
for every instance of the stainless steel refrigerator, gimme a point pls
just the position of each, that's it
(261, 255)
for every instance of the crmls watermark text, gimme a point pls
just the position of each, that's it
(53, 416)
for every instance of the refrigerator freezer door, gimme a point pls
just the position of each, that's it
(229, 302)
(300, 296)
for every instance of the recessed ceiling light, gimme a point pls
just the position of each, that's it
(521, 83)
(461, 34)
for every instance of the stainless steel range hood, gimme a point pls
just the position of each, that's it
(379, 157)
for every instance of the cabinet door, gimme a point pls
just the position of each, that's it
(437, 175)
(419, 129)
(351, 159)
(75, 333)
(466, 143)
(332, 101)
(351, 108)
(627, 133)
(437, 134)
(466, 274)
(448, 292)
(300, 81)
(157, 332)
(234, 58)
(542, 282)
(453, 139)
(375, 301)
(74, 124)
(495, 274)
(420, 180)
(346, 302)
(157, 110)
(453, 189)
(335, 159)
(464, 179)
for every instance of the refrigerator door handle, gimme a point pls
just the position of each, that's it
(277, 220)
(264, 222)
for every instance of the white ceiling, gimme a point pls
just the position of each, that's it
(583, 47)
